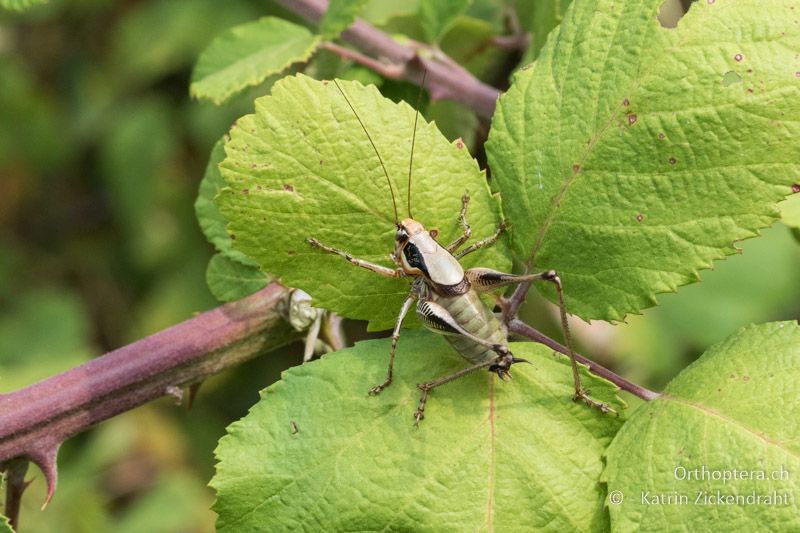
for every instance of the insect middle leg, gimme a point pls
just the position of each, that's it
(395, 337)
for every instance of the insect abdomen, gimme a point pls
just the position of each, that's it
(475, 317)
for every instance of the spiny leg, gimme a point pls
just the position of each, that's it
(462, 216)
(484, 242)
(378, 269)
(395, 337)
(580, 393)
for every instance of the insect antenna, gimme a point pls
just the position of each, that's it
(414, 139)
(388, 180)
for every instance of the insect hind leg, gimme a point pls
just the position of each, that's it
(581, 394)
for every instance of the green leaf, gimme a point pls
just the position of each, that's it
(211, 220)
(340, 15)
(318, 451)
(230, 280)
(247, 54)
(735, 408)
(790, 211)
(20, 5)
(5, 527)
(436, 16)
(626, 163)
(302, 167)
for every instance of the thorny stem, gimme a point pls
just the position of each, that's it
(521, 328)
(34, 421)
(446, 79)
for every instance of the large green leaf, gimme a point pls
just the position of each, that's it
(5, 527)
(317, 453)
(339, 15)
(735, 409)
(247, 54)
(629, 158)
(302, 167)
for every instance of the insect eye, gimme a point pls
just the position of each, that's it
(401, 235)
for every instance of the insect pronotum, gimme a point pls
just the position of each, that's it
(447, 296)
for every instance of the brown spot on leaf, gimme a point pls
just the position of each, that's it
(288, 188)
(662, 135)
(626, 102)
(576, 168)
(672, 160)
(738, 57)
(246, 191)
(639, 217)
(631, 119)
(795, 187)
(459, 143)
(233, 236)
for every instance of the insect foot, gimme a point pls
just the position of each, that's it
(374, 391)
(504, 361)
(583, 396)
(419, 414)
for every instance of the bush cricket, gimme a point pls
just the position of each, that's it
(447, 297)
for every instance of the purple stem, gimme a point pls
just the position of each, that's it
(34, 421)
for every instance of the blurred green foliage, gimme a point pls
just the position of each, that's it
(101, 156)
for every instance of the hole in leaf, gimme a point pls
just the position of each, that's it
(731, 77)
(672, 11)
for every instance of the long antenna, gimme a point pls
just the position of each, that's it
(389, 181)
(414, 139)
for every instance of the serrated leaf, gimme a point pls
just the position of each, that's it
(20, 5)
(247, 54)
(302, 167)
(318, 453)
(5, 527)
(735, 408)
(211, 220)
(230, 280)
(339, 15)
(436, 16)
(625, 162)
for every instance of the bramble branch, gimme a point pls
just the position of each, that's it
(445, 78)
(34, 421)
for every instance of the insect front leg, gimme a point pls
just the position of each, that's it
(483, 242)
(395, 337)
(374, 267)
(462, 216)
